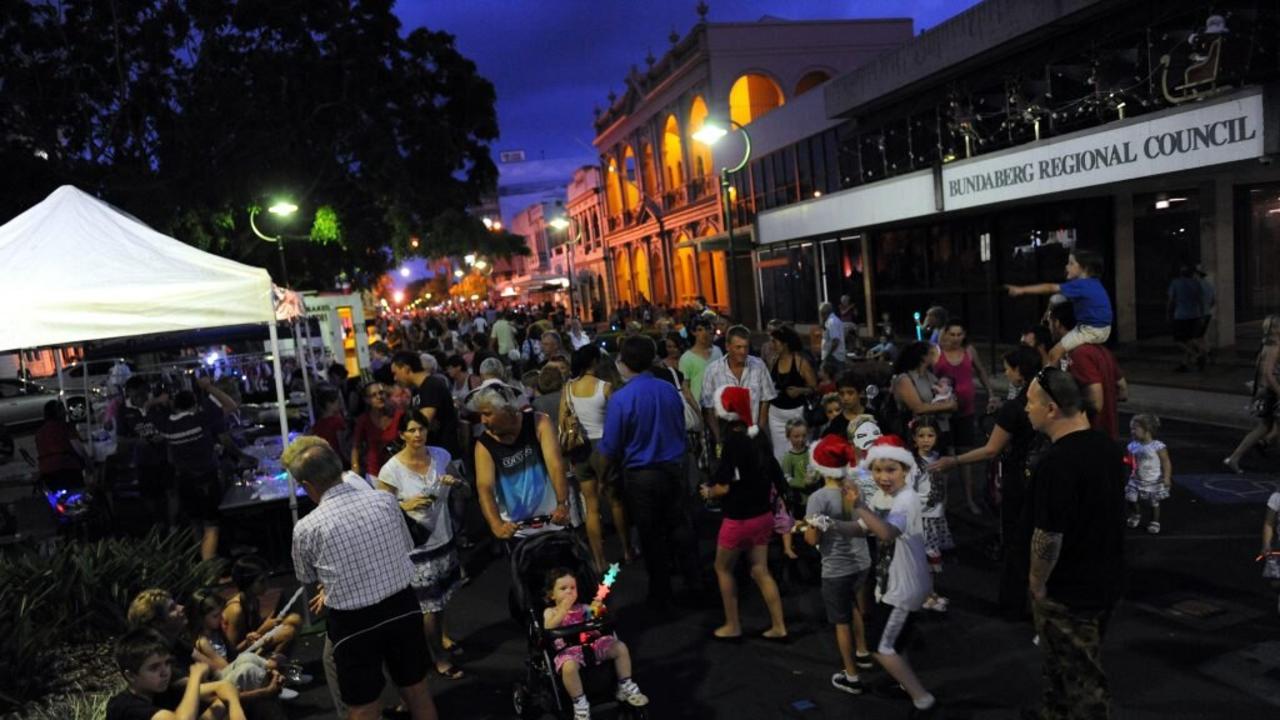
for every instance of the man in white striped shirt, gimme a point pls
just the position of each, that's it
(356, 545)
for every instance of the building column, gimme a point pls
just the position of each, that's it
(1126, 300)
(1218, 253)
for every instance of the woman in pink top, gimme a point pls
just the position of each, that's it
(958, 363)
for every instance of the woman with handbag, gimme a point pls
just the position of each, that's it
(1266, 392)
(581, 424)
(796, 382)
(418, 477)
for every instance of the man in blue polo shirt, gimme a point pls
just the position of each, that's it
(644, 436)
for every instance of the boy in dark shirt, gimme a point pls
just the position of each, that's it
(144, 659)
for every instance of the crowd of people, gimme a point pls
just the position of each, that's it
(499, 425)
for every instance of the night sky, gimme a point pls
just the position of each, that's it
(552, 61)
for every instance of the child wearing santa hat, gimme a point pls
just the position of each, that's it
(846, 560)
(908, 582)
(743, 481)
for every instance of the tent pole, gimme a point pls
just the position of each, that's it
(284, 418)
(299, 356)
(57, 364)
(88, 412)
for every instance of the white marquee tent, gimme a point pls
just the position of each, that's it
(75, 269)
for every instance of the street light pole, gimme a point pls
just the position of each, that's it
(708, 135)
(282, 209)
(563, 224)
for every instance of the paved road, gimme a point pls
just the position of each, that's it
(1195, 637)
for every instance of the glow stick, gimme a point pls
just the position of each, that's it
(279, 616)
(606, 585)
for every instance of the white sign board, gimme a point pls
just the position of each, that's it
(897, 198)
(1206, 135)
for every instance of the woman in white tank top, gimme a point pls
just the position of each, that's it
(589, 396)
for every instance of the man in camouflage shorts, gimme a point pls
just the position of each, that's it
(1077, 549)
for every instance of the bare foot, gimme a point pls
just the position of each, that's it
(774, 633)
(725, 631)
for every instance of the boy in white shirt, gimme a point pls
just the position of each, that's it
(908, 581)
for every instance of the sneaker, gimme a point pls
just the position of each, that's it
(582, 710)
(1153, 527)
(288, 694)
(629, 693)
(937, 604)
(864, 662)
(295, 676)
(844, 683)
(1134, 520)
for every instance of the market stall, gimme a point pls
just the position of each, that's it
(78, 269)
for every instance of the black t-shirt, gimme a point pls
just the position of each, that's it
(1012, 418)
(749, 473)
(434, 393)
(142, 427)
(1078, 490)
(127, 706)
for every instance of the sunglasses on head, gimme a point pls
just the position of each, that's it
(1042, 377)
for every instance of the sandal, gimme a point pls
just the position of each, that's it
(454, 648)
(451, 673)
(1153, 527)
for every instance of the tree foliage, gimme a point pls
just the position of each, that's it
(188, 112)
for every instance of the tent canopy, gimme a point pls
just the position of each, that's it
(78, 269)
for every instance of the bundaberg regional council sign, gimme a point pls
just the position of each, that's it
(1209, 134)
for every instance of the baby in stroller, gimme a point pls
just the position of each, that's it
(562, 595)
(567, 644)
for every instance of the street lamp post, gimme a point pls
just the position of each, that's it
(280, 209)
(562, 224)
(709, 134)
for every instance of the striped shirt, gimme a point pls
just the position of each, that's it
(355, 543)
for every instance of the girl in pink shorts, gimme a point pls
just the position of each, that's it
(744, 482)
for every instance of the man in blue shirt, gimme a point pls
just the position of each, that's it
(644, 437)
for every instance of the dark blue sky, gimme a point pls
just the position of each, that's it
(552, 61)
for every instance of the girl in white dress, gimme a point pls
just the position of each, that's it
(1152, 471)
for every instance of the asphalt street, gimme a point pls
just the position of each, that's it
(1196, 636)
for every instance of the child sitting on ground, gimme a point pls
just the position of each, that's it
(144, 659)
(1088, 298)
(1152, 474)
(253, 675)
(562, 596)
(242, 616)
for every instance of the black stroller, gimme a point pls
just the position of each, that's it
(542, 692)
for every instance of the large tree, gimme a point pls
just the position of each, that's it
(187, 113)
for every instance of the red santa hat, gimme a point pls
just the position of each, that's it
(889, 447)
(832, 456)
(734, 403)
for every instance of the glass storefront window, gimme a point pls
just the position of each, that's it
(1257, 252)
(788, 285)
(1166, 236)
(842, 273)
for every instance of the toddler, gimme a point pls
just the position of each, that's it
(795, 464)
(562, 596)
(932, 489)
(1152, 472)
(1088, 298)
(254, 676)
(831, 406)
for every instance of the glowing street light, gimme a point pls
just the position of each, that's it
(559, 223)
(470, 258)
(282, 209)
(398, 296)
(404, 271)
(458, 273)
(710, 133)
(481, 264)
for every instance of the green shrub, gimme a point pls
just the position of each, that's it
(81, 592)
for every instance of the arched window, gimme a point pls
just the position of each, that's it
(753, 95)
(699, 153)
(613, 189)
(672, 154)
(650, 171)
(631, 190)
(640, 269)
(811, 80)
